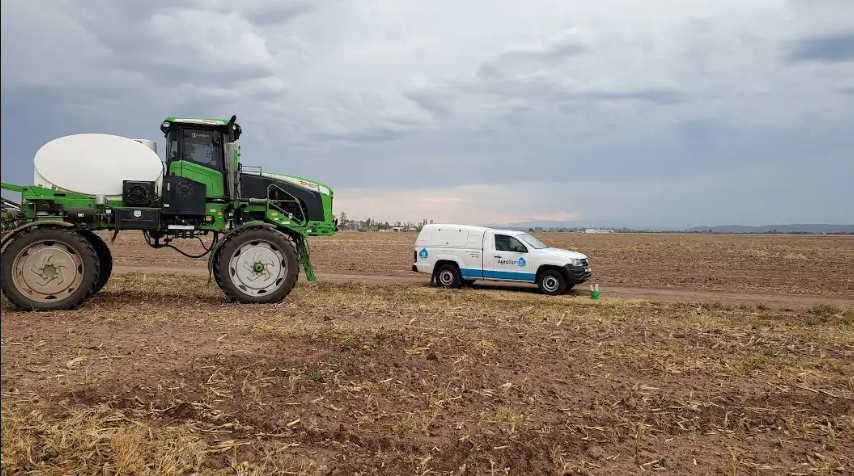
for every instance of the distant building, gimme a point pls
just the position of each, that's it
(595, 230)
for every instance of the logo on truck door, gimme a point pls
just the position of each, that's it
(520, 263)
(423, 253)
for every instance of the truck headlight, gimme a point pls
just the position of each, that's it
(575, 262)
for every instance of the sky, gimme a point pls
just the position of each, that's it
(665, 113)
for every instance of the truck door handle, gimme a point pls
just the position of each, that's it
(497, 256)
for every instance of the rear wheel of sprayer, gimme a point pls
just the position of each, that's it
(49, 269)
(257, 265)
(105, 258)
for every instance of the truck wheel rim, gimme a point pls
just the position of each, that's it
(47, 271)
(258, 268)
(550, 283)
(446, 278)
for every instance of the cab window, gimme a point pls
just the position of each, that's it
(508, 243)
(172, 139)
(200, 147)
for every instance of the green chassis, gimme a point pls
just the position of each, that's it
(258, 210)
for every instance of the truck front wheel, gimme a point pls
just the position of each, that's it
(551, 282)
(448, 276)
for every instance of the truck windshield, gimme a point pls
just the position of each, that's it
(531, 241)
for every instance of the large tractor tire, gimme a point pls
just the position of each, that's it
(105, 258)
(256, 266)
(49, 269)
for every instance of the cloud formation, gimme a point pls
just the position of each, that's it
(827, 48)
(672, 113)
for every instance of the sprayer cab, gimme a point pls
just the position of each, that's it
(205, 150)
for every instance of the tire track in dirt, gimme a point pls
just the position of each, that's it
(649, 294)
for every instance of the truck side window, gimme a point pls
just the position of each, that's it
(508, 243)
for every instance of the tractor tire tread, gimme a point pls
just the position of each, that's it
(105, 258)
(220, 277)
(88, 255)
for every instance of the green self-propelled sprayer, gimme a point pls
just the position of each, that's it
(259, 221)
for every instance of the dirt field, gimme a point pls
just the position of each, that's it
(370, 371)
(800, 265)
(159, 375)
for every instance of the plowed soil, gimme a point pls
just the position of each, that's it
(790, 264)
(371, 371)
(158, 374)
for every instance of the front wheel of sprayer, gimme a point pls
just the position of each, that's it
(257, 266)
(49, 269)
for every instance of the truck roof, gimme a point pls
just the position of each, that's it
(481, 229)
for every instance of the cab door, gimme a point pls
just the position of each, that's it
(509, 259)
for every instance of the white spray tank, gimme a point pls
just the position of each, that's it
(96, 164)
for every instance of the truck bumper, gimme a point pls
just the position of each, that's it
(422, 268)
(577, 274)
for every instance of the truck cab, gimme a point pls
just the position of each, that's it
(458, 254)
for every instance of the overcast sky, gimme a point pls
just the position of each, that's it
(666, 113)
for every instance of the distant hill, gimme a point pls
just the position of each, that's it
(797, 228)
(639, 226)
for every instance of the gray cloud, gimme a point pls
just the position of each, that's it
(438, 99)
(434, 100)
(277, 13)
(530, 58)
(827, 48)
(372, 134)
(655, 95)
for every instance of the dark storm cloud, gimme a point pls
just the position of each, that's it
(831, 48)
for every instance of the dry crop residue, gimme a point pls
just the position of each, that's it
(786, 264)
(385, 379)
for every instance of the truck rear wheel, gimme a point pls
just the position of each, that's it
(49, 269)
(551, 282)
(448, 276)
(257, 265)
(105, 258)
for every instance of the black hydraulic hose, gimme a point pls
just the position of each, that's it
(207, 250)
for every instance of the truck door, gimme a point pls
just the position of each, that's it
(509, 259)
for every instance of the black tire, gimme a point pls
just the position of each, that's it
(105, 258)
(74, 286)
(448, 276)
(240, 291)
(551, 282)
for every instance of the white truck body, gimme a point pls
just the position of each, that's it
(454, 254)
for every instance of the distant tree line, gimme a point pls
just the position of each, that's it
(371, 224)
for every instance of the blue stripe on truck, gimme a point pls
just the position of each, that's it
(510, 275)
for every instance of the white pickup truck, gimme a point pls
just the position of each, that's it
(458, 254)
